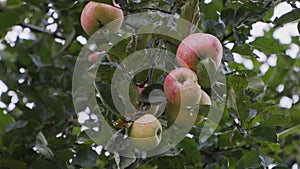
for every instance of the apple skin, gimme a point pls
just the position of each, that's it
(199, 46)
(205, 99)
(181, 87)
(145, 133)
(94, 15)
(184, 118)
(94, 57)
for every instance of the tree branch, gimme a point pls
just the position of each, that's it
(41, 30)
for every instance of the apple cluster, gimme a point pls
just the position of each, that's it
(180, 86)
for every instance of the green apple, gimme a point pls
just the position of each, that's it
(181, 87)
(95, 15)
(199, 46)
(145, 133)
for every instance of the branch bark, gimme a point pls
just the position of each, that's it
(41, 30)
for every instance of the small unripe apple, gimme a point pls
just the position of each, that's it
(205, 99)
(181, 87)
(199, 46)
(145, 133)
(95, 15)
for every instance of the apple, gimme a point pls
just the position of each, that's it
(205, 99)
(145, 133)
(199, 46)
(182, 116)
(181, 87)
(95, 15)
(94, 57)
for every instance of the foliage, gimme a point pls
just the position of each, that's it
(39, 126)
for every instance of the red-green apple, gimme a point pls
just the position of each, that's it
(181, 87)
(199, 46)
(145, 133)
(95, 15)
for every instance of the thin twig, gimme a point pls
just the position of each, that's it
(41, 30)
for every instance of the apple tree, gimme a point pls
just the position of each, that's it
(68, 99)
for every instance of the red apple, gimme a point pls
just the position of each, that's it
(181, 87)
(199, 46)
(94, 15)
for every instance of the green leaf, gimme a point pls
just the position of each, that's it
(245, 49)
(41, 163)
(105, 92)
(190, 151)
(110, 2)
(206, 73)
(249, 160)
(16, 125)
(41, 145)
(226, 16)
(84, 138)
(64, 155)
(265, 133)
(67, 43)
(190, 12)
(12, 163)
(85, 158)
(5, 120)
(123, 162)
(14, 17)
(276, 120)
(247, 12)
(147, 167)
(288, 17)
(41, 139)
(275, 75)
(234, 78)
(13, 2)
(45, 151)
(289, 131)
(268, 44)
(280, 167)
(153, 94)
(210, 10)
